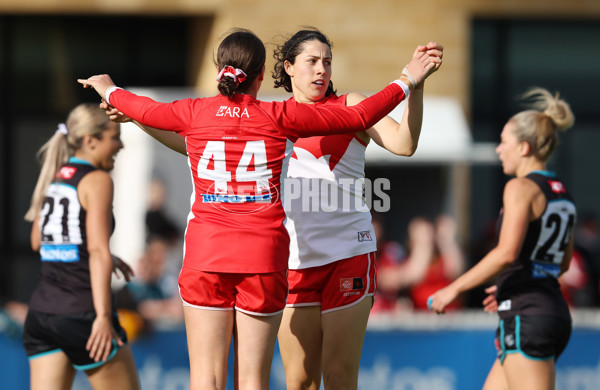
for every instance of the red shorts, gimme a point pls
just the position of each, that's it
(333, 286)
(256, 294)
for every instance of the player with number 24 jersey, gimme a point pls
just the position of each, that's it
(530, 285)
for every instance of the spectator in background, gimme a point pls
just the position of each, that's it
(152, 297)
(446, 260)
(397, 271)
(152, 294)
(390, 255)
(12, 317)
(434, 259)
(158, 222)
(580, 284)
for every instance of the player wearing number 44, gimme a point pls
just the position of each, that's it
(233, 279)
(72, 323)
(534, 248)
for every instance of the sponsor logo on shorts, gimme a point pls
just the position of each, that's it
(59, 253)
(509, 340)
(351, 284)
(365, 236)
(505, 305)
(499, 351)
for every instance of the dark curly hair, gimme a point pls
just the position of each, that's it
(243, 50)
(289, 50)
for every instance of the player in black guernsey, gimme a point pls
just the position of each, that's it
(72, 324)
(64, 285)
(530, 284)
(534, 248)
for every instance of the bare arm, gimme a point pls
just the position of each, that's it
(168, 138)
(399, 138)
(171, 140)
(36, 236)
(96, 194)
(402, 138)
(517, 200)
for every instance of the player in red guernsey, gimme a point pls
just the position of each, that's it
(236, 246)
(332, 253)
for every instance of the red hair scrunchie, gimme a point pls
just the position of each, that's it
(237, 75)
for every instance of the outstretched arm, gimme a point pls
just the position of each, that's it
(305, 120)
(168, 138)
(295, 120)
(174, 116)
(517, 199)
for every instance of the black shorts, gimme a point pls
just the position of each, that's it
(45, 333)
(535, 337)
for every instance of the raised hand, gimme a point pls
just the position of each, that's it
(436, 52)
(100, 83)
(426, 60)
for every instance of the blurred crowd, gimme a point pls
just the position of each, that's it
(151, 298)
(408, 274)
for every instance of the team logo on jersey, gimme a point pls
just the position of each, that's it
(232, 112)
(557, 187)
(66, 172)
(365, 236)
(329, 149)
(349, 284)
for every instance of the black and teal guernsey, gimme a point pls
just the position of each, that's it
(64, 285)
(530, 286)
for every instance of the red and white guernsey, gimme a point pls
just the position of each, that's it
(238, 151)
(327, 218)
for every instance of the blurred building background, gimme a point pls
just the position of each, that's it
(494, 50)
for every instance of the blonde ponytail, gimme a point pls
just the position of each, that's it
(539, 124)
(52, 155)
(86, 118)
